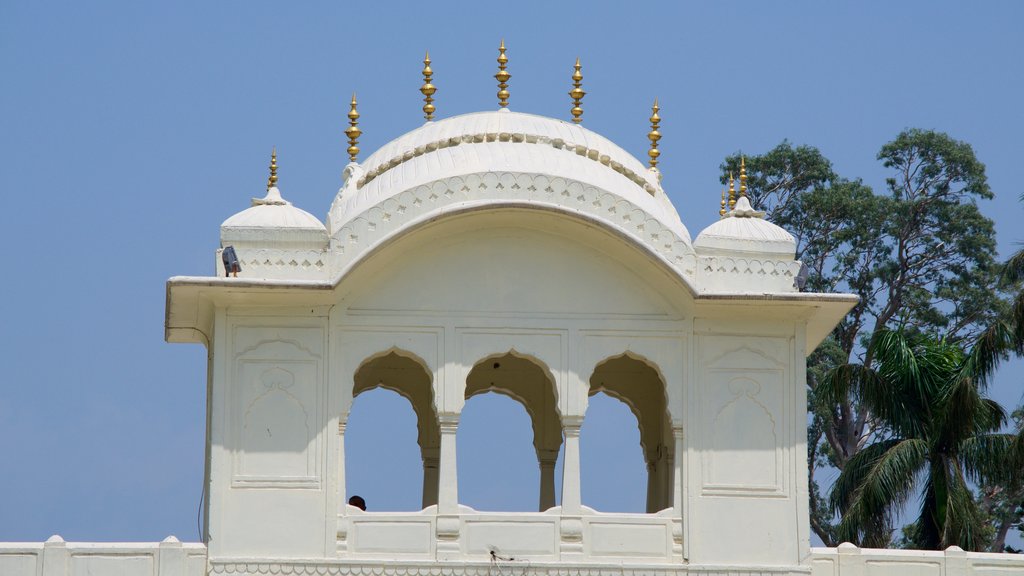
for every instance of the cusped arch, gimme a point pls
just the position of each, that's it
(399, 352)
(540, 364)
(649, 430)
(408, 375)
(528, 380)
(420, 395)
(541, 405)
(640, 384)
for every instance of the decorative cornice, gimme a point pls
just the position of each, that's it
(512, 138)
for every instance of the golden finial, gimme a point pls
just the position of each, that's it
(654, 135)
(721, 210)
(502, 76)
(428, 89)
(732, 192)
(272, 181)
(743, 177)
(353, 132)
(577, 93)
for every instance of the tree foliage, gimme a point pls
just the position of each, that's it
(920, 256)
(936, 431)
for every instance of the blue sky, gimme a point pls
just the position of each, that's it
(131, 130)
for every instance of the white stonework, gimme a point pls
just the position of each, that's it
(510, 252)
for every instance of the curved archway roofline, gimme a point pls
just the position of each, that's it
(191, 300)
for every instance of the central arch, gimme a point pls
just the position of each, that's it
(526, 380)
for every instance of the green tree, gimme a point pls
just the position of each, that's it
(934, 427)
(1004, 504)
(921, 257)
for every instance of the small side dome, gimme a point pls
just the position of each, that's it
(272, 222)
(744, 231)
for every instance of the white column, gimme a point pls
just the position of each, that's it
(342, 489)
(448, 491)
(678, 502)
(431, 469)
(677, 476)
(652, 482)
(448, 476)
(547, 459)
(669, 476)
(571, 467)
(571, 524)
(341, 542)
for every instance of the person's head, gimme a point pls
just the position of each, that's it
(358, 502)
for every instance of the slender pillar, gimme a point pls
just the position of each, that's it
(571, 524)
(341, 542)
(431, 469)
(547, 460)
(448, 490)
(667, 482)
(571, 467)
(663, 494)
(678, 502)
(448, 477)
(652, 484)
(677, 471)
(342, 496)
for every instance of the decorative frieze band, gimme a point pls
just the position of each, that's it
(508, 137)
(519, 568)
(362, 231)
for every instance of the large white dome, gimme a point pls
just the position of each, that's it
(502, 142)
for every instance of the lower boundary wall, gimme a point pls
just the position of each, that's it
(55, 557)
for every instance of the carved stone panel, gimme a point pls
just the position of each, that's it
(744, 428)
(276, 398)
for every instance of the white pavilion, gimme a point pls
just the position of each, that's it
(502, 251)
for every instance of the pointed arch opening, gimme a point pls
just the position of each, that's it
(501, 464)
(399, 385)
(612, 472)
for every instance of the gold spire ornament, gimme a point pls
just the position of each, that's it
(353, 132)
(743, 177)
(272, 180)
(428, 89)
(577, 93)
(732, 191)
(721, 209)
(654, 135)
(502, 76)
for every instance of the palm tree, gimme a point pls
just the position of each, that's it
(934, 431)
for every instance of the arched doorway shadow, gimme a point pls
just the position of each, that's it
(638, 384)
(407, 376)
(529, 383)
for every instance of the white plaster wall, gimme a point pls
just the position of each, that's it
(269, 444)
(563, 294)
(745, 430)
(455, 295)
(55, 557)
(172, 558)
(849, 560)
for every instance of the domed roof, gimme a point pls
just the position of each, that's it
(745, 231)
(273, 211)
(272, 222)
(502, 141)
